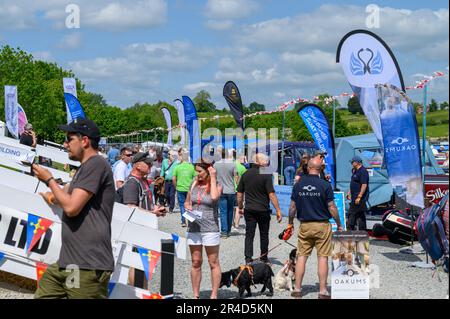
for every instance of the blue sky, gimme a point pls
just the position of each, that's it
(150, 50)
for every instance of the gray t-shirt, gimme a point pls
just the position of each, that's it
(226, 171)
(210, 217)
(137, 195)
(86, 238)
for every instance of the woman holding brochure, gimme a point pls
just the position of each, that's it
(203, 226)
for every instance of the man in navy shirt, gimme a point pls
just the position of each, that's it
(358, 195)
(312, 202)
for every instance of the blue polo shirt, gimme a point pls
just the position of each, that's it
(311, 196)
(359, 177)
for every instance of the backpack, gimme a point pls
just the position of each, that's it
(118, 197)
(431, 233)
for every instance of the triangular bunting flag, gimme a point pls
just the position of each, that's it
(149, 259)
(2, 255)
(111, 286)
(40, 270)
(144, 253)
(152, 296)
(36, 227)
(154, 256)
(175, 238)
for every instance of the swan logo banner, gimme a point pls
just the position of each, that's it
(367, 61)
(360, 65)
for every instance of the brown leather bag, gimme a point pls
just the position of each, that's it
(159, 183)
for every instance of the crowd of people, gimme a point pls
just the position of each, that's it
(212, 197)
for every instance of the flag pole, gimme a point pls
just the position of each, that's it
(424, 131)
(334, 117)
(282, 148)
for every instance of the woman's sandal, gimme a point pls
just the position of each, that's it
(296, 294)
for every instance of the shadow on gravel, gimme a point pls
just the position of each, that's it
(401, 257)
(385, 243)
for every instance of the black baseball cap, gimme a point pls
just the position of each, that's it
(84, 127)
(142, 157)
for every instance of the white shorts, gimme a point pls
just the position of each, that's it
(204, 239)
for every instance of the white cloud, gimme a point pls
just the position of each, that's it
(175, 56)
(15, 16)
(196, 87)
(142, 68)
(401, 29)
(131, 14)
(223, 13)
(43, 56)
(311, 62)
(71, 41)
(435, 52)
(219, 24)
(99, 14)
(230, 9)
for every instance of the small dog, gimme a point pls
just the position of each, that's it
(285, 276)
(262, 274)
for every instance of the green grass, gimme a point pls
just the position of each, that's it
(437, 122)
(436, 130)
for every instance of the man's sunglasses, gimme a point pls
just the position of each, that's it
(128, 155)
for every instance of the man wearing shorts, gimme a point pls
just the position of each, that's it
(312, 201)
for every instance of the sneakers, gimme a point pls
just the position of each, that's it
(224, 235)
(183, 224)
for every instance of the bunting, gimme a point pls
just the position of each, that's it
(149, 260)
(36, 227)
(41, 268)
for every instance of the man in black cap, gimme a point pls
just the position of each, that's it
(358, 195)
(86, 260)
(136, 193)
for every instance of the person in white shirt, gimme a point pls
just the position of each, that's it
(435, 151)
(121, 169)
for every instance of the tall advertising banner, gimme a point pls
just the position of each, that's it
(401, 143)
(319, 128)
(21, 118)
(234, 101)
(181, 120)
(367, 60)
(75, 108)
(191, 119)
(70, 86)
(350, 265)
(168, 118)
(11, 110)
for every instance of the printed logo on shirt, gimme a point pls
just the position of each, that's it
(308, 191)
(309, 188)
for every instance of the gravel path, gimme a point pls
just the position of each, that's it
(398, 280)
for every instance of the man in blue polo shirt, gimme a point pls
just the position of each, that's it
(358, 195)
(312, 202)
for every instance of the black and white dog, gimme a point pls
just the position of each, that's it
(262, 274)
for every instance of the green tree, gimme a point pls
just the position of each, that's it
(203, 103)
(353, 106)
(444, 105)
(433, 106)
(256, 107)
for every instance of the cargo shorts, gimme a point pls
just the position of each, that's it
(314, 235)
(57, 283)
